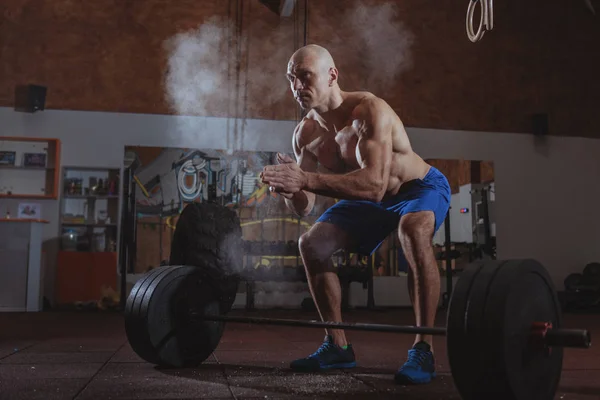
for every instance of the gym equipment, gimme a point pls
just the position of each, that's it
(582, 290)
(486, 23)
(157, 316)
(504, 334)
(591, 274)
(573, 281)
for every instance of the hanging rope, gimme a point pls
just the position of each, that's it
(247, 39)
(305, 25)
(238, 66)
(305, 22)
(229, 73)
(486, 23)
(299, 113)
(294, 48)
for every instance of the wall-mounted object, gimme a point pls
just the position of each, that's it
(30, 98)
(29, 211)
(540, 123)
(8, 158)
(29, 167)
(34, 160)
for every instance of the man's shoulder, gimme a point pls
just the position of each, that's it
(307, 129)
(371, 108)
(369, 104)
(308, 124)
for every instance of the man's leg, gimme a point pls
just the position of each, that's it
(359, 226)
(316, 248)
(416, 232)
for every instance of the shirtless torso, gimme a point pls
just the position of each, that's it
(330, 143)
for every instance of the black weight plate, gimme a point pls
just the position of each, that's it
(463, 354)
(135, 317)
(591, 274)
(145, 347)
(572, 281)
(184, 340)
(159, 324)
(506, 298)
(522, 294)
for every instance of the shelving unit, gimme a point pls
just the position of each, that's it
(89, 209)
(29, 168)
(88, 228)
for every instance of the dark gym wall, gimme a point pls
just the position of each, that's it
(462, 172)
(108, 55)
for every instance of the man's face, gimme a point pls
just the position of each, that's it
(308, 82)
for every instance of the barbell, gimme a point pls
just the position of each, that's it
(504, 333)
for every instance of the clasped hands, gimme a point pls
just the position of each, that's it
(286, 178)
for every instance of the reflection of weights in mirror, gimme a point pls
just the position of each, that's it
(582, 289)
(484, 232)
(591, 274)
(573, 281)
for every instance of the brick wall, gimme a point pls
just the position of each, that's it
(110, 55)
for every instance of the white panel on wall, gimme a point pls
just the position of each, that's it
(545, 195)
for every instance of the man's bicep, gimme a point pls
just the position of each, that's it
(375, 153)
(375, 143)
(306, 159)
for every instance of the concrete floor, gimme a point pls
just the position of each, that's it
(77, 355)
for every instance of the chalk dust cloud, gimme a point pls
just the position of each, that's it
(216, 70)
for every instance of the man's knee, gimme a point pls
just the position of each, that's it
(314, 248)
(320, 242)
(417, 229)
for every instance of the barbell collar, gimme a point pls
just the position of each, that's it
(577, 338)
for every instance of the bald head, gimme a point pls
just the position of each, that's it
(315, 55)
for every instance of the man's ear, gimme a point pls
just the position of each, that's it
(333, 75)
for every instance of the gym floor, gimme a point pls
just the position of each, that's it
(78, 355)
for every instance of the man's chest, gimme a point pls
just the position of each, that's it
(336, 150)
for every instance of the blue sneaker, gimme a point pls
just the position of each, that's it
(328, 356)
(419, 368)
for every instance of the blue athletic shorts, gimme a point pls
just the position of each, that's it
(369, 223)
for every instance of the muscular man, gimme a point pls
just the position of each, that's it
(352, 146)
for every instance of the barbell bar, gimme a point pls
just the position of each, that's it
(575, 338)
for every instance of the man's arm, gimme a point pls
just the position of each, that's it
(302, 202)
(375, 150)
